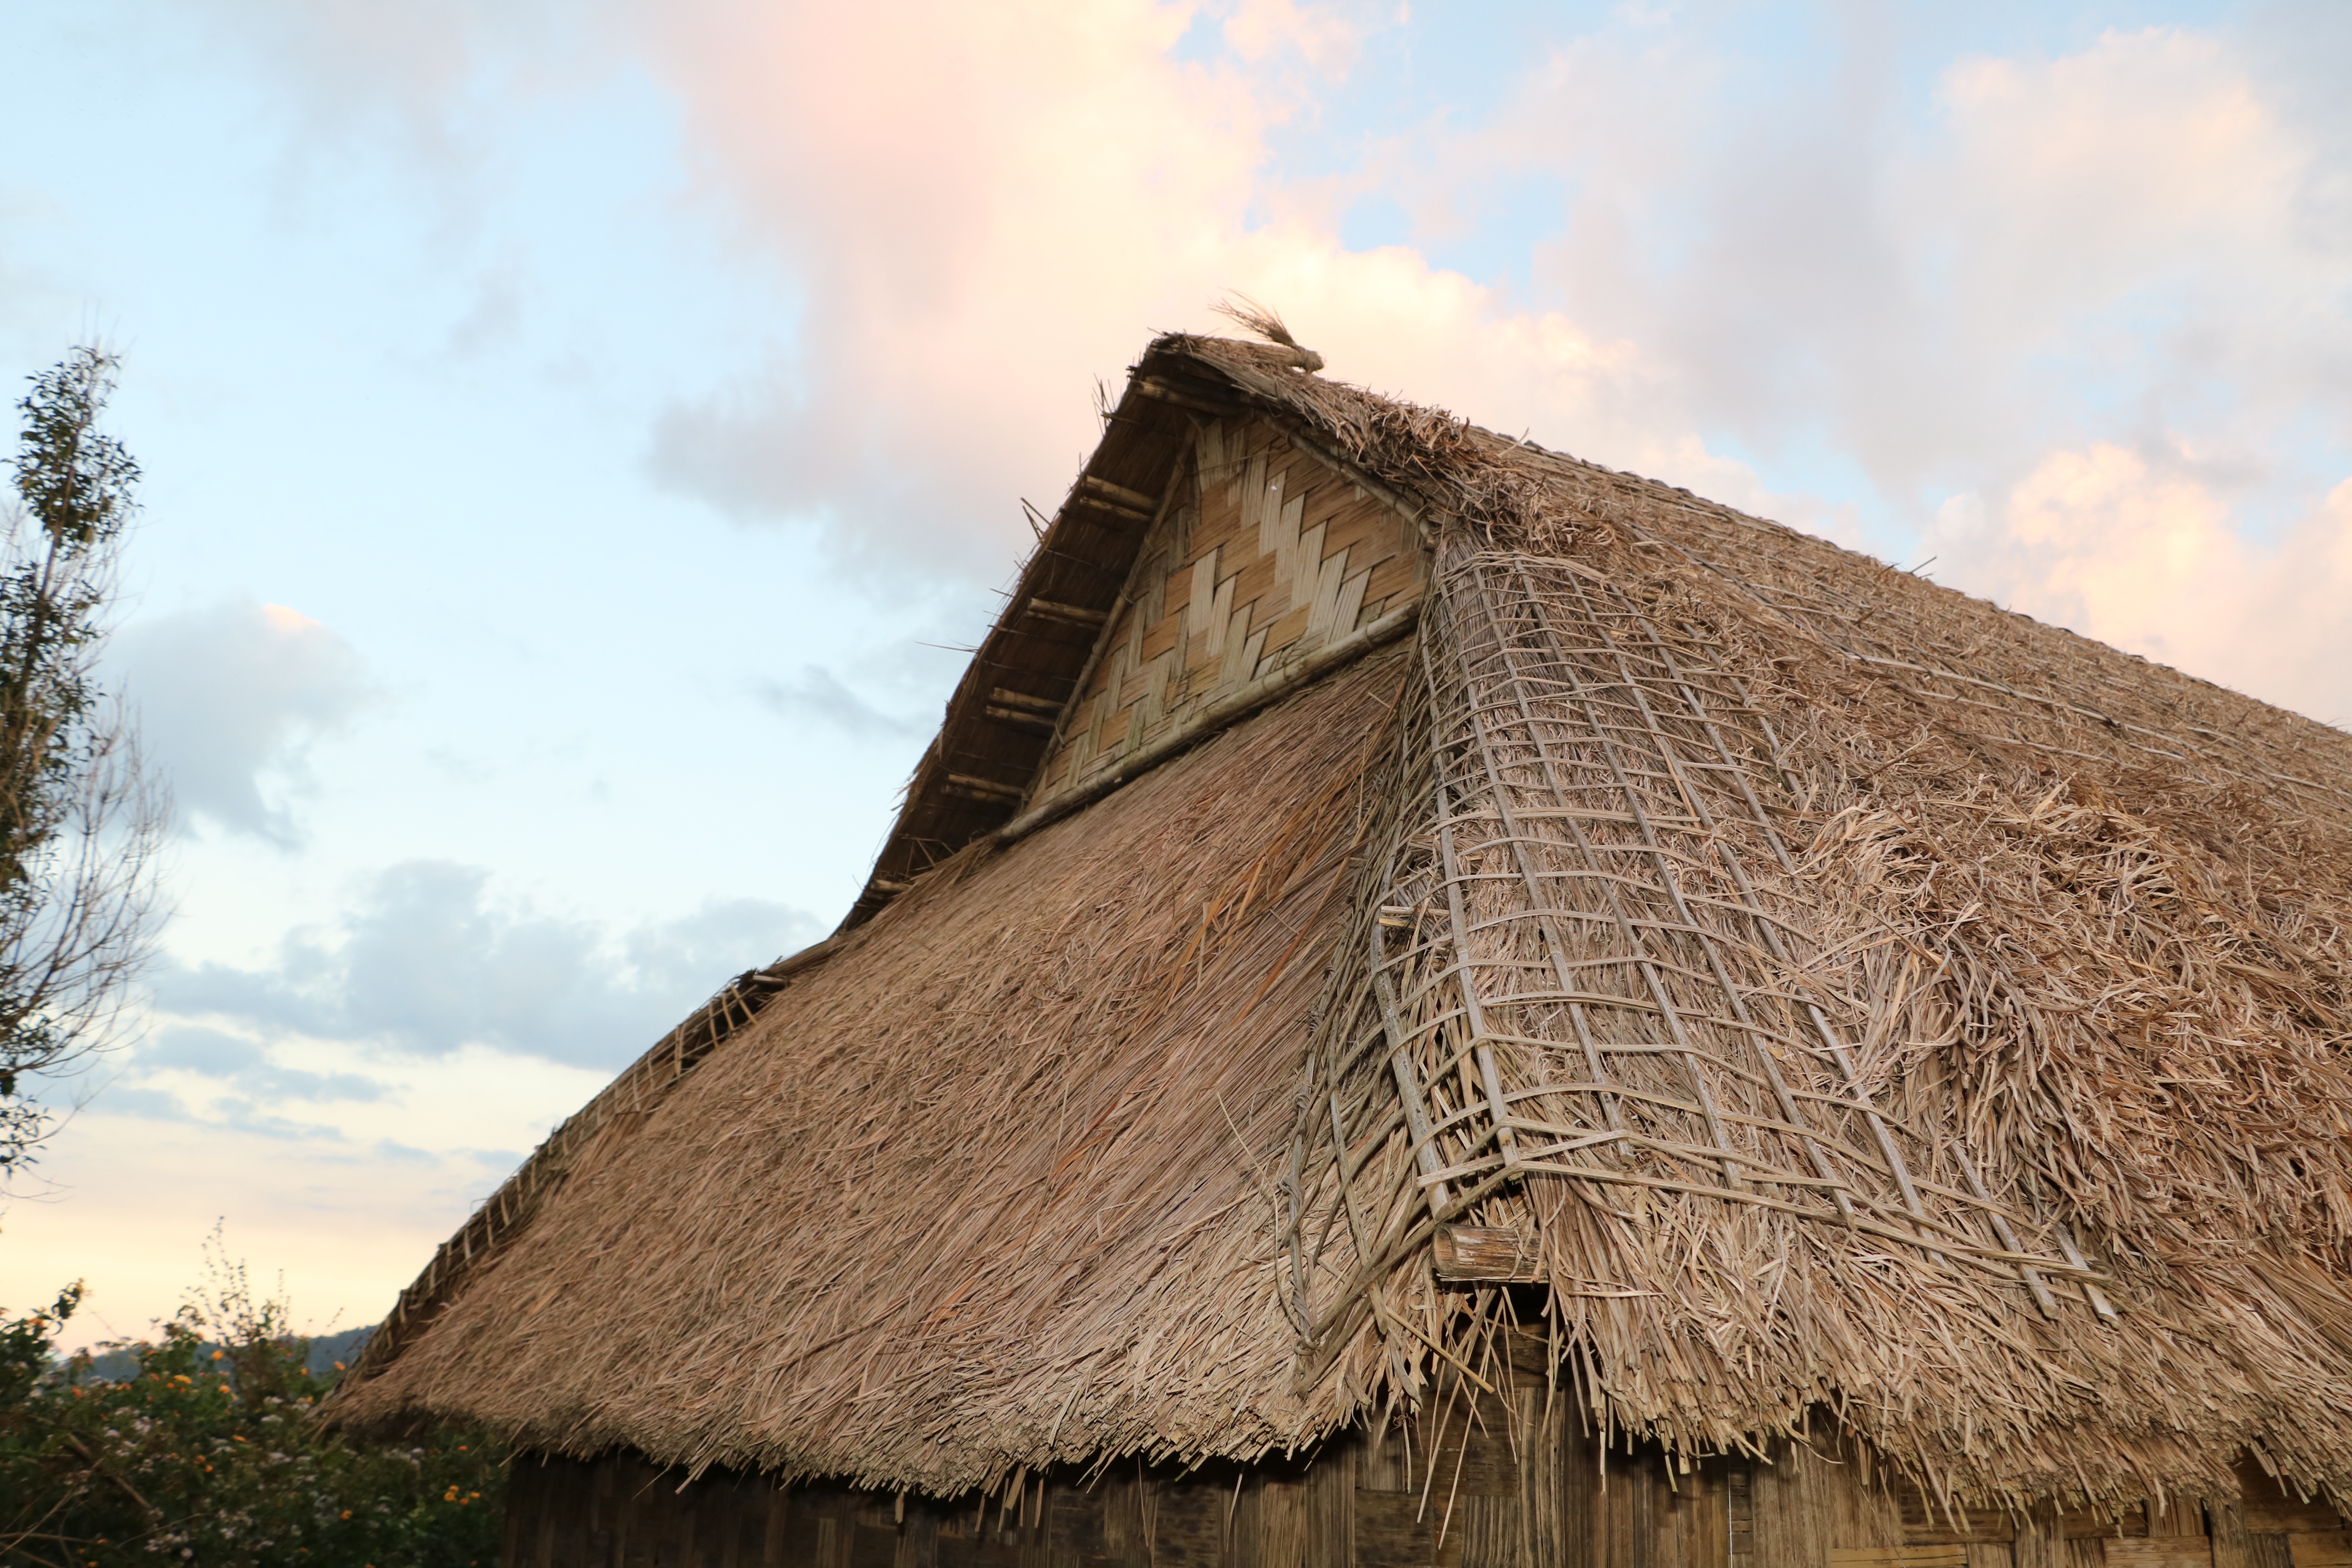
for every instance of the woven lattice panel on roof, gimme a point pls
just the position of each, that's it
(1589, 957)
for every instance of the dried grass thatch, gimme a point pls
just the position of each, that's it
(1838, 991)
(990, 1185)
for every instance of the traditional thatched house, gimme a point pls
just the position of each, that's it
(1432, 1003)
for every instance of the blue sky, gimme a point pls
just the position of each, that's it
(577, 437)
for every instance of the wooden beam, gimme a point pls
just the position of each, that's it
(1134, 500)
(1220, 715)
(1076, 614)
(1114, 509)
(985, 789)
(1021, 719)
(1467, 1252)
(1153, 387)
(1004, 696)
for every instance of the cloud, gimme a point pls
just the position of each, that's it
(2078, 320)
(2132, 252)
(229, 700)
(1933, 290)
(988, 207)
(2150, 251)
(817, 695)
(235, 1112)
(688, 957)
(2134, 551)
(428, 961)
(152, 1104)
(930, 220)
(233, 1063)
(1672, 239)
(429, 77)
(206, 1051)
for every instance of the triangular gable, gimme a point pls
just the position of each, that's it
(1210, 558)
(1267, 568)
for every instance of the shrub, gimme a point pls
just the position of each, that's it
(205, 1454)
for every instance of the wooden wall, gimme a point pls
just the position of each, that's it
(1262, 555)
(2262, 1527)
(1507, 1482)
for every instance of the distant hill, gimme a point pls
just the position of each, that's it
(325, 1351)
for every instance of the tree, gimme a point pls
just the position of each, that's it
(80, 819)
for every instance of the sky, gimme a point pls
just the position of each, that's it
(579, 440)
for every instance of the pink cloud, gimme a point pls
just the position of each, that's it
(982, 209)
(2142, 555)
(988, 207)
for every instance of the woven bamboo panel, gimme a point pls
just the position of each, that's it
(2159, 1552)
(1262, 555)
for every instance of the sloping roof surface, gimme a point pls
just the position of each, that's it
(988, 1178)
(1843, 992)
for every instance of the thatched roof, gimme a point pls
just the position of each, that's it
(1838, 991)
